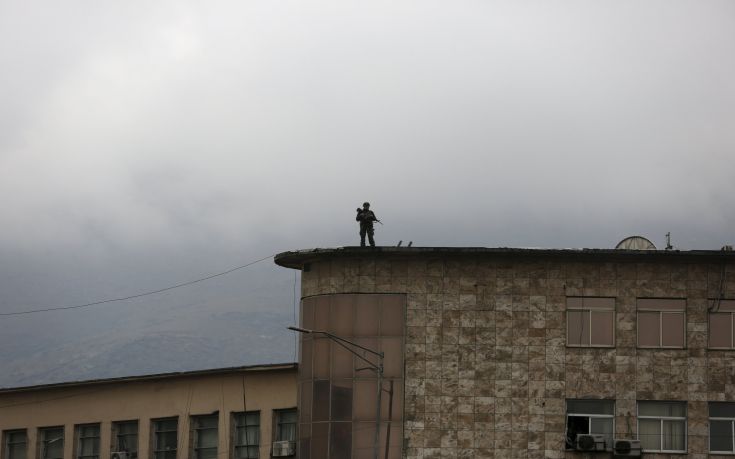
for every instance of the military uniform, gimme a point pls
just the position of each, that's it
(366, 217)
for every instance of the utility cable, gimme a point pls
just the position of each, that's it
(152, 292)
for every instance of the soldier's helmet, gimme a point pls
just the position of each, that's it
(365, 204)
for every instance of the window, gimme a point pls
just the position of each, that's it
(286, 425)
(590, 417)
(247, 435)
(88, 441)
(721, 317)
(590, 321)
(662, 426)
(722, 427)
(51, 441)
(165, 438)
(125, 437)
(15, 444)
(205, 436)
(661, 322)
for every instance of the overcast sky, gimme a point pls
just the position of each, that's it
(146, 143)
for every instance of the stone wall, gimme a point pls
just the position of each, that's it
(487, 366)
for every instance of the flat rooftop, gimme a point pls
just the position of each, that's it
(297, 259)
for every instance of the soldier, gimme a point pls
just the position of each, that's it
(366, 217)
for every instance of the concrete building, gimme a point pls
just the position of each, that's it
(517, 353)
(241, 412)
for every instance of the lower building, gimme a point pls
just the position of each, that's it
(241, 412)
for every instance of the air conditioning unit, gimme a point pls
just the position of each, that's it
(120, 455)
(624, 447)
(590, 442)
(284, 448)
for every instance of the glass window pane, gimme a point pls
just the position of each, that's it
(341, 400)
(649, 433)
(340, 440)
(720, 330)
(724, 305)
(599, 303)
(320, 408)
(366, 315)
(319, 439)
(602, 328)
(307, 391)
(603, 426)
(674, 435)
(578, 328)
(663, 409)
(341, 361)
(722, 410)
(342, 317)
(720, 436)
(321, 358)
(365, 400)
(648, 329)
(364, 440)
(672, 329)
(393, 359)
(305, 357)
(662, 304)
(591, 407)
(391, 315)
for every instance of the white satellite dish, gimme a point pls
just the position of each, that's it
(635, 243)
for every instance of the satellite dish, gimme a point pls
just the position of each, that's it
(635, 243)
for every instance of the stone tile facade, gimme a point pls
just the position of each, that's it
(487, 369)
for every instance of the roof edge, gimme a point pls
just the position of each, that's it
(298, 258)
(150, 377)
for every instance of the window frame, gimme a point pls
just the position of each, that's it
(43, 442)
(711, 418)
(590, 309)
(661, 420)
(195, 431)
(80, 441)
(115, 437)
(661, 312)
(235, 433)
(277, 423)
(154, 431)
(7, 443)
(730, 310)
(589, 417)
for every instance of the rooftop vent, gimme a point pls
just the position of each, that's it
(635, 243)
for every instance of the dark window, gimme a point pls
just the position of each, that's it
(165, 438)
(286, 425)
(247, 435)
(590, 321)
(205, 436)
(590, 417)
(722, 427)
(661, 322)
(15, 444)
(52, 442)
(88, 441)
(721, 319)
(662, 426)
(125, 437)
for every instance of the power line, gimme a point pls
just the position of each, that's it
(152, 292)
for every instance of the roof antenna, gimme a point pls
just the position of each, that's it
(668, 241)
(399, 243)
(410, 243)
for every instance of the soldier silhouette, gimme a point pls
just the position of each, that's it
(366, 217)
